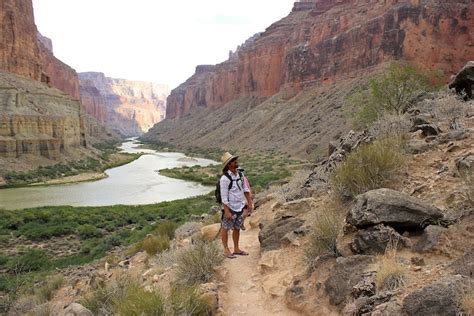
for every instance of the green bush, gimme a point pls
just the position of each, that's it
(166, 229)
(88, 231)
(31, 260)
(154, 244)
(138, 302)
(3, 261)
(393, 92)
(186, 301)
(196, 263)
(371, 166)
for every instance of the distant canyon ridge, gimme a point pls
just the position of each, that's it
(291, 81)
(129, 107)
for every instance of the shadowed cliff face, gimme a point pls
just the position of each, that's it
(326, 40)
(129, 107)
(23, 51)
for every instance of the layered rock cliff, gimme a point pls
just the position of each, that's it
(37, 120)
(129, 107)
(25, 53)
(325, 40)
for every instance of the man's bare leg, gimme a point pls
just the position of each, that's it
(224, 238)
(235, 238)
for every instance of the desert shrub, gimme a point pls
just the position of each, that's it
(47, 291)
(395, 92)
(467, 302)
(3, 261)
(137, 302)
(88, 231)
(186, 301)
(327, 225)
(294, 189)
(166, 229)
(102, 300)
(391, 274)
(195, 264)
(31, 260)
(467, 178)
(371, 166)
(390, 125)
(447, 106)
(154, 244)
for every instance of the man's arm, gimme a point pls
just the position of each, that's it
(248, 196)
(224, 186)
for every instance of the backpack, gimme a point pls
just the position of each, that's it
(217, 192)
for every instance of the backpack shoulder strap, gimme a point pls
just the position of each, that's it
(227, 175)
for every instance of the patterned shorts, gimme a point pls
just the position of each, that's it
(236, 222)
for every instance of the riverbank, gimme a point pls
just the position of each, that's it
(90, 169)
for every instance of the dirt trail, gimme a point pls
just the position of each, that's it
(243, 293)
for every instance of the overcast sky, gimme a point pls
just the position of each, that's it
(151, 40)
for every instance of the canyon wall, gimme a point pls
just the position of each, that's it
(322, 41)
(129, 107)
(37, 120)
(25, 52)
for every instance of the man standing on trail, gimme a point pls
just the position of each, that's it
(236, 201)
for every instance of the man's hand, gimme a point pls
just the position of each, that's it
(227, 213)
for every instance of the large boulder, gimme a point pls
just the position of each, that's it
(440, 298)
(374, 240)
(465, 264)
(346, 273)
(271, 234)
(392, 208)
(429, 239)
(210, 232)
(464, 80)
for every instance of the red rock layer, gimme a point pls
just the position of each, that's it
(323, 40)
(24, 54)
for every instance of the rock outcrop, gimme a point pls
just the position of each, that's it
(25, 53)
(464, 80)
(393, 208)
(38, 120)
(129, 107)
(325, 40)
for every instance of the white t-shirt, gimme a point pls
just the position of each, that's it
(233, 198)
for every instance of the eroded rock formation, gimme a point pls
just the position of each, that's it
(38, 120)
(130, 107)
(325, 40)
(26, 53)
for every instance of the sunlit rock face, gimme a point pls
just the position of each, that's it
(129, 107)
(323, 40)
(26, 53)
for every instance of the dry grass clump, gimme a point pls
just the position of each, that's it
(447, 106)
(196, 263)
(391, 274)
(328, 223)
(101, 301)
(47, 291)
(292, 190)
(467, 302)
(390, 125)
(187, 301)
(370, 167)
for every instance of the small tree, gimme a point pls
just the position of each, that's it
(393, 92)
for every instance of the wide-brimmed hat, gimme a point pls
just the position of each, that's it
(226, 158)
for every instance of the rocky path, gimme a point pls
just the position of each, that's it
(243, 293)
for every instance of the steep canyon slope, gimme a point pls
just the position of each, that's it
(129, 107)
(41, 118)
(320, 45)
